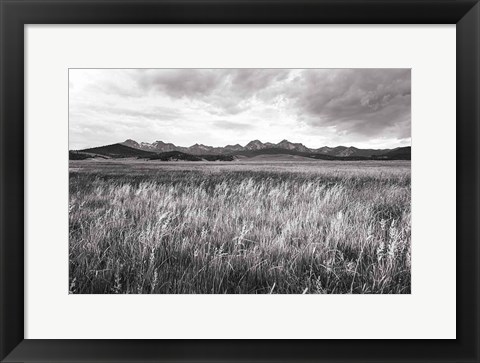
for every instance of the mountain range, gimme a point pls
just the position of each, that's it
(200, 149)
(160, 150)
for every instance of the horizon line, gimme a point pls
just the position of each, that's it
(201, 144)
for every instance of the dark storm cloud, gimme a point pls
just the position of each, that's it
(226, 91)
(242, 86)
(365, 102)
(181, 82)
(204, 82)
(359, 101)
(247, 82)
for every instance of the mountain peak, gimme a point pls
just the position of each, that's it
(234, 147)
(285, 144)
(131, 143)
(254, 145)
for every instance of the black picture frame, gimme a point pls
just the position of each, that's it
(17, 13)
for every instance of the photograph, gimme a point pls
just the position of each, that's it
(239, 181)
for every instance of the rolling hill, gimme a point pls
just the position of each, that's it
(116, 151)
(319, 156)
(400, 153)
(174, 156)
(178, 155)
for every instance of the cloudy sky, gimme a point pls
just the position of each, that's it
(317, 107)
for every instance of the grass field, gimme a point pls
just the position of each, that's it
(239, 227)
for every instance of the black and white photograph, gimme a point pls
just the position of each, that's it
(239, 181)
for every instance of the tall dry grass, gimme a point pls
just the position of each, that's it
(193, 231)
